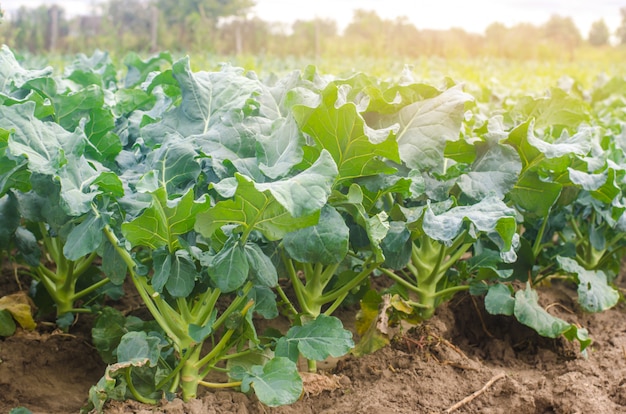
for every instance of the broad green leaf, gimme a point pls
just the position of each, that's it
(533, 150)
(162, 264)
(343, 133)
(182, 277)
(229, 268)
(172, 166)
(44, 144)
(375, 227)
(534, 196)
(165, 220)
(261, 267)
(27, 246)
(426, 126)
(397, 246)
(499, 300)
(601, 186)
(74, 106)
(107, 331)
(13, 171)
(530, 313)
(9, 219)
(490, 216)
(275, 383)
(264, 301)
(96, 69)
(7, 324)
(594, 292)
(559, 109)
(139, 349)
(494, 172)
(200, 333)
(325, 243)
(317, 339)
(205, 97)
(282, 149)
(13, 75)
(306, 192)
(251, 209)
(84, 238)
(77, 179)
(138, 70)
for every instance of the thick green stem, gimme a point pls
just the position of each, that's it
(190, 375)
(537, 246)
(311, 365)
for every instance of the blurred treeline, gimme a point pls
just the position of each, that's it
(228, 28)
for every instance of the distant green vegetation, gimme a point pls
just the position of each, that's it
(225, 29)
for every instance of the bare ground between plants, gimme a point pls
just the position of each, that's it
(434, 368)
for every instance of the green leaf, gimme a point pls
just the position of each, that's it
(172, 166)
(490, 216)
(325, 243)
(251, 209)
(165, 220)
(397, 246)
(317, 340)
(305, 193)
(44, 144)
(107, 331)
(183, 273)
(535, 196)
(162, 264)
(282, 149)
(206, 97)
(427, 125)
(113, 266)
(601, 186)
(9, 219)
(499, 300)
(7, 324)
(229, 268)
(200, 333)
(264, 301)
(594, 292)
(84, 238)
(13, 75)
(275, 383)
(261, 266)
(342, 131)
(530, 313)
(494, 172)
(138, 349)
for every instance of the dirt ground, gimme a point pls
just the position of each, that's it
(462, 361)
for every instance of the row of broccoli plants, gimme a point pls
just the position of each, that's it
(226, 198)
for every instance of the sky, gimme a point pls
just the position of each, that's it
(470, 15)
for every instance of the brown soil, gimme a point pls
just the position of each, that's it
(461, 351)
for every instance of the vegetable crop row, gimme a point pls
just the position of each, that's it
(224, 198)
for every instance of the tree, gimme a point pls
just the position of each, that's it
(621, 30)
(197, 20)
(562, 31)
(599, 33)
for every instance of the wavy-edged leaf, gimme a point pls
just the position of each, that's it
(317, 339)
(275, 383)
(325, 243)
(162, 223)
(357, 150)
(594, 292)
